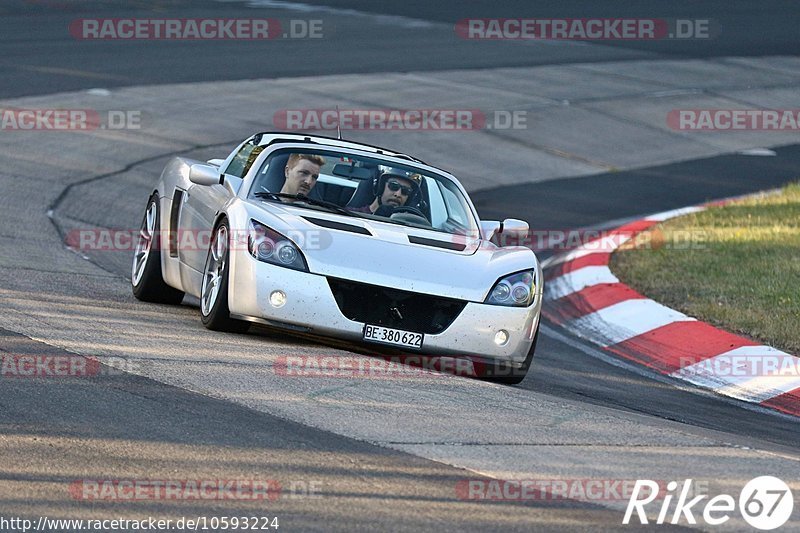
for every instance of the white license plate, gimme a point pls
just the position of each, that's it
(395, 337)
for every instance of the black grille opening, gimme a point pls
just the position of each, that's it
(394, 308)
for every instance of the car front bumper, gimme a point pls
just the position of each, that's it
(310, 307)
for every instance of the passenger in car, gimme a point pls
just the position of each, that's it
(301, 172)
(392, 190)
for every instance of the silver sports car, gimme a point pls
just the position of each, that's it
(346, 240)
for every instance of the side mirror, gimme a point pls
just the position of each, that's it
(204, 174)
(513, 227)
(511, 232)
(216, 162)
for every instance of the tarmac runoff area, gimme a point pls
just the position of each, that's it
(584, 119)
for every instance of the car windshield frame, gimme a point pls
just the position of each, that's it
(466, 223)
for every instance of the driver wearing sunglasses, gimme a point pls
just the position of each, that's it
(391, 190)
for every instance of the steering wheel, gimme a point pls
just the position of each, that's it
(408, 209)
(406, 213)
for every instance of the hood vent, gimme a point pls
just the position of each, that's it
(332, 224)
(447, 245)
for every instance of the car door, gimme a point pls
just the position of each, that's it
(201, 203)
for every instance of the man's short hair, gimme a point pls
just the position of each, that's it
(314, 158)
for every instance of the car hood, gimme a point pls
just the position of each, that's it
(397, 256)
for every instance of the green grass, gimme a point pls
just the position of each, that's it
(737, 267)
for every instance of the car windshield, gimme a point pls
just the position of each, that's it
(368, 187)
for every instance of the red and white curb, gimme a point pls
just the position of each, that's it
(584, 297)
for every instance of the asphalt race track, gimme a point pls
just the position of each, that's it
(44, 59)
(173, 401)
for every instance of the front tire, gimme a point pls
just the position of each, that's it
(147, 280)
(214, 310)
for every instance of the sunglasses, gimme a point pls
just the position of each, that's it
(395, 186)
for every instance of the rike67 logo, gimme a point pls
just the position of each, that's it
(765, 503)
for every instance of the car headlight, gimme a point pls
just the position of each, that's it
(269, 246)
(515, 290)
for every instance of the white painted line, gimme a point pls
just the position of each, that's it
(624, 320)
(607, 244)
(577, 280)
(750, 373)
(761, 152)
(666, 215)
(675, 92)
(603, 245)
(610, 243)
(564, 258)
